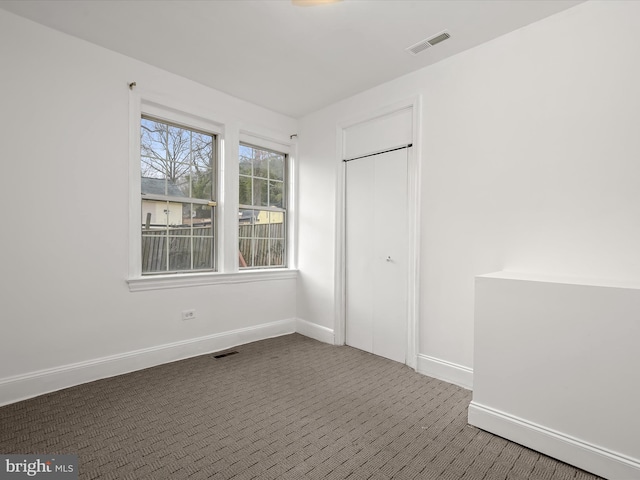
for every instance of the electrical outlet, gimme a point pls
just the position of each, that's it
(188, 314)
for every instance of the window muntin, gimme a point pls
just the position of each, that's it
(262, 216)
(177, 167)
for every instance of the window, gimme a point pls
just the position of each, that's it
(177, 167)
(187, 224)
(262, 217)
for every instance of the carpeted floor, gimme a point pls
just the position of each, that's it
(283, 408)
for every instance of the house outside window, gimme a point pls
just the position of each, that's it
(262, 214)
(177, 165)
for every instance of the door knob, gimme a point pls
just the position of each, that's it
(388, 259)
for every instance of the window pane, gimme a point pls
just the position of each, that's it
(201, 216)
(178, 217)
(154, 236)
(202, 183)
(246, 220)
(260, 163)
(275, 194)
(247, 217)
(260, 192)
(276, 225)
(262, 238)
(202, 166)
(180, 253)
(178, 183)
(245, 160)
(180, 155)
(261, 252)
(245, 190)
(197, 228)
(245, 253)
(202, 149)
(179, 144)
(276, 257)
(154, 168)
(261, 228)
(276, 167)
(203, 251)
(182, 232)
(154, 251)
(152, 139)
(154, 214)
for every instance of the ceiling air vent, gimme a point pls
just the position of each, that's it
(429, 42)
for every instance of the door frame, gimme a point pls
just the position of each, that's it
(413, 215)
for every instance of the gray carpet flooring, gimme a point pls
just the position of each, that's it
(283, 408)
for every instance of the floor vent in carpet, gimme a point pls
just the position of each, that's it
(225, 354)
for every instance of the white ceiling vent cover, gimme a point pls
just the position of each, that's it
(429, 42)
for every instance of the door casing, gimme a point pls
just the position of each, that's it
(413, 215)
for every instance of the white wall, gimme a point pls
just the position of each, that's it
(65, 151)
(529, 162)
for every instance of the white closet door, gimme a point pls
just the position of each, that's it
(376, 254)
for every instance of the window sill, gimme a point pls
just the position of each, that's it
(159, 282)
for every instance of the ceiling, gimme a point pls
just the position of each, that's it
(288, 58)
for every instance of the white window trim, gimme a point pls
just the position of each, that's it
(179, 280)
(228, 137)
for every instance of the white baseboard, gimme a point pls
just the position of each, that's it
(574, 451)
(315, 331)
(32, 384)
(447, 371)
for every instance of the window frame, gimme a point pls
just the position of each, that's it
(229, 131)
(212, 202)
(285, 203)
